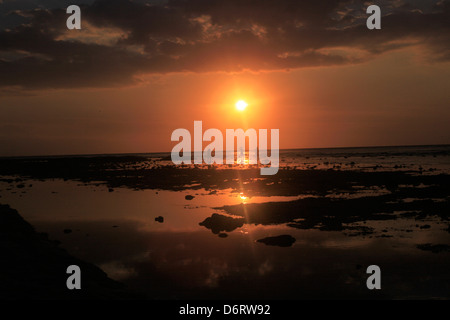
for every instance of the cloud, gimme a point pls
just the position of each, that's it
(122, 39)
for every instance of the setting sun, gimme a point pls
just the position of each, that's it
(241, 105)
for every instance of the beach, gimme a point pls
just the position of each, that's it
(226, 232)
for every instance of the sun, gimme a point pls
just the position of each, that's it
(241, 105)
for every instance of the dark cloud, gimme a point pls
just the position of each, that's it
(124, 38)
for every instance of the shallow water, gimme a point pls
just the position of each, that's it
(181, 259)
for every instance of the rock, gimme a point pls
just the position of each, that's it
(434, 248)
(223, 235)
(189, 197)
(11, 223)
(66, 231)
(280, 241)
(33, 267)
(218, 222)
(110, 189)
(160, 219)
(385, 236)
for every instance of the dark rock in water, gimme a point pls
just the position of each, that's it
(426, 226)
(189, 197)
(218, 223)
(12, 223)
(434, 248)
(67, 231)
(20, 186)
(115, 226)
(223, 235)
(160, 219)
(280, 241)
(385, 236)
(110, 189)
(34, 267)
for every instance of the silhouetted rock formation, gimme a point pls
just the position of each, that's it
(189, 197)
(280, 241)
(160, 219)
(218, 223)
(33, 267)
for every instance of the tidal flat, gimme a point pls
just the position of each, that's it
(226, 232)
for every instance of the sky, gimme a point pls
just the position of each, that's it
(137, 70)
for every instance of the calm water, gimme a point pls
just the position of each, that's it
(181, 259)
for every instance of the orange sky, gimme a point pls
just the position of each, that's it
(359, 105)
(394, 94)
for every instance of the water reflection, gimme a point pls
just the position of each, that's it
(243, 198)
(181, 259)
(197, 265)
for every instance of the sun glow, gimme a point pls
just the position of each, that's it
(241, 105)
(243, 198)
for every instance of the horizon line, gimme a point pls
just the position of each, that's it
(285, 149)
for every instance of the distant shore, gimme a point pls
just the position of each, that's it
(167, 153)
